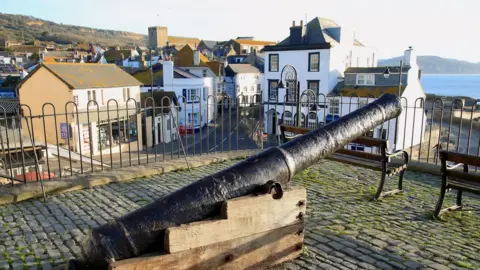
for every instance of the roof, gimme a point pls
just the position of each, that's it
(116, 55)
(364, 91)
(243, 68)
(8, 69)
(256, 59)
(253, 42)
(82, 47)
(163, 100)
(396, 69)
(26, 48)
(172, 40)
(58, 54)
(144, 75)
(209, 43)
(184, 58)
(10, 106)
(215, 67)
(84, 76)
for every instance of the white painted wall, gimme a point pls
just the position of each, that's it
(105, 94)
(299, 60)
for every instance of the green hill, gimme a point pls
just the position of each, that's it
(28, 29)
(438, 65)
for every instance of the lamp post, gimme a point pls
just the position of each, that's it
(386, 74)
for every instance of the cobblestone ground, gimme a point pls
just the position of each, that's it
(345, 228)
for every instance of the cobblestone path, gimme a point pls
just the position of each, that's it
(345, 228)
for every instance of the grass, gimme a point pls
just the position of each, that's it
(465, 264)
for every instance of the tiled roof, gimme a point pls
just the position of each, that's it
(10, 106)
(209, 43)
(364, 91)
(144, 75)
(26, 48)
(243, 68)
(172, 40)
(116, 55)
(84, 76)
(184, 58)
(376, 69)
(253, 42)
(215, 67)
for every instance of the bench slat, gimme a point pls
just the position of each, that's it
(297, 130)
(369, 141)
(462, 176)
(460, 158)
(370, 164)
(360, 154)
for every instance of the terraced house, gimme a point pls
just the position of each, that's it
(106, 111)
(313, 57)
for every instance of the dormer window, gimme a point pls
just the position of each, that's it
(365, 79)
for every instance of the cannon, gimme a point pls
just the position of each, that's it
(140, 231)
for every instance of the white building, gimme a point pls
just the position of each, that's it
(193, 61)
(243, 83)
(194, 93)
(360, 87)
(312, 57)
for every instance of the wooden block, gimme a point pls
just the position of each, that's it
(246, 216)
(252, 252)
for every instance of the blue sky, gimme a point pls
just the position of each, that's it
(433, 27)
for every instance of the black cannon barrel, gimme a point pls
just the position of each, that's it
(143, 230)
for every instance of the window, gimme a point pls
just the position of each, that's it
(103, 98)
(259, 86)
(312, 120)
(287, 118)
(89, 93)
(204, 72)
(75, 99)
(314, 86)
(302, 119)
(194, 119)
(365, 79)
(192, 94)
(291, 91)
(128, 93)
(362, 103)
(124, 94)
(245, 89)
(314, 62)
(272, 89)
(273, 63)
(219, 88)
(205, 90)
(335, 107)
(252, 88)
(238, 88)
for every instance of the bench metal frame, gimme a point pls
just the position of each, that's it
(384, 158)
(455, 179)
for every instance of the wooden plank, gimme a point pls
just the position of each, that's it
(369, 141)
(252, 252)
(251, 206)
(297, 130)
(356, 161)
(255, 214)
(461, 158)
(360, 154)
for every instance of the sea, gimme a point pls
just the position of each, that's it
(452, 85)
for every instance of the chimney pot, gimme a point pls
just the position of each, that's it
(301, 23)
(293, 24)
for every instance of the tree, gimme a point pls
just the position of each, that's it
(34, 57)
(44, 33)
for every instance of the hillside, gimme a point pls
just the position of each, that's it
(438, 65)
(13, 26)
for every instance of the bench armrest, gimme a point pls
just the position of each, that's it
(398, 153)
(453, 166)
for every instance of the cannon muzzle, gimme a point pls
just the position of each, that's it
(142, 230)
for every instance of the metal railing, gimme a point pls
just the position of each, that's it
(59, 140)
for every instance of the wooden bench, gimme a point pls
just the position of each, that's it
(382, 162)
(455, 179)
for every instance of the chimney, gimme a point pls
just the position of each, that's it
(168, 75)
(196, 57)
(293, 24)
(410, 57)
(296, 34)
